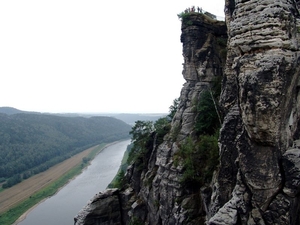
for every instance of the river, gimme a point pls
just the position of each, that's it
(61, 208)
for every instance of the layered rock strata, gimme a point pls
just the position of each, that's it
(258, 181)
(155, 195)
(258, 178)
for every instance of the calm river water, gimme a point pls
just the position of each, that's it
(61, 208)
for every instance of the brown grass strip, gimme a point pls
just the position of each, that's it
(16, 194)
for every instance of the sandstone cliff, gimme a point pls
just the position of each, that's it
(257, 178)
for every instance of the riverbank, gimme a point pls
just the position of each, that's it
(16, 201)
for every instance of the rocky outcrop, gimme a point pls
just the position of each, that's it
(155, 194)
(258, 177)
(103, 207)
(261, 100)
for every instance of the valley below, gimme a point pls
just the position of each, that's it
(18, 193)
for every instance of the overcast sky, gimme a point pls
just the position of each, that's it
(121, 56)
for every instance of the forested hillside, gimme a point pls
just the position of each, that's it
(31, 143)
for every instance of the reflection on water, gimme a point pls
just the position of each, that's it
(61, 208)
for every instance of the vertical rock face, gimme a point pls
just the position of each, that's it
(258, 178)
(260, 96)
(103, 208)
(155, 194)
(167, 200)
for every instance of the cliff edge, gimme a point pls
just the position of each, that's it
(258, 180)
(255, 178)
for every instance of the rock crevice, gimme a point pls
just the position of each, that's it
(256, 53)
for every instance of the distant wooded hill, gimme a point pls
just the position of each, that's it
(32, 142)
(11, 110)
(129, 118)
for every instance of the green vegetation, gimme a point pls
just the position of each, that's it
(136, 221)
(175, 132)
(207, 119)
(184, 16)
(199, 160)
(173, 108)
(118, 180)
(144, 133)
(32, 143)
(222, 48)
(208, 114)
(10, 216)
(142, 141)
(199, 155)
(222, 41)
(92, 155)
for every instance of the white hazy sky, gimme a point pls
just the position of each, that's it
(121, 56)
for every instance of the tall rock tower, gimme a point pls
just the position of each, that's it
(259, 177)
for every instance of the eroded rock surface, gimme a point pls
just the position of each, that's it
(263, 73)
(257, 181)
(156, 194)
(103, 208)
